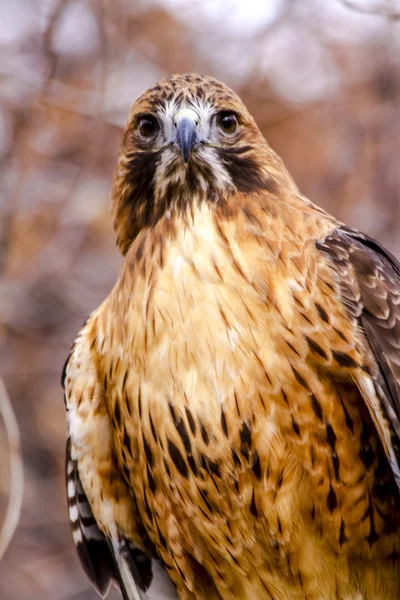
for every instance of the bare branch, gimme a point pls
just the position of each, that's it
(16, 471)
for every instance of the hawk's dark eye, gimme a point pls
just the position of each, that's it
(227, 121)
(148, 126)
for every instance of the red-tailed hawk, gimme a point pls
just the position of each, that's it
(233, 405)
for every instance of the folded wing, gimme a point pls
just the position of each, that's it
(370, 283)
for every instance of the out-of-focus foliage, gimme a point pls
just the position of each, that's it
(322, 80)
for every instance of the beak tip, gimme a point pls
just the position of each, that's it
(186, 137)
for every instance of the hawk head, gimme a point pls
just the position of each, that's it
(188, 140)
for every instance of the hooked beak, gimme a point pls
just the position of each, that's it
(187, 134)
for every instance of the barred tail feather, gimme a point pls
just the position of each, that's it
(128, 574)
(91, 544)
(106, 561)
(141, 578)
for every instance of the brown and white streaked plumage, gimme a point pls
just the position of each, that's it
(233, 405)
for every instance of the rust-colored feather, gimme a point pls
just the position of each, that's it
(233, 405)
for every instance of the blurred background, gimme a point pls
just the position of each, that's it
(321, 78)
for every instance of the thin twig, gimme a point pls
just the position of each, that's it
(16, 471)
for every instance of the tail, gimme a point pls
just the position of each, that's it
(127, 571)
(105, 561)
(90, 542)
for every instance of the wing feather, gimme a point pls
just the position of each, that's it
(370, 283)
(91, 544)
(112, 557)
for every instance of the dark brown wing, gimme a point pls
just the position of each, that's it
(370, 282)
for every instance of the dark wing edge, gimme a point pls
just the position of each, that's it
(91, 544)
(370, 282)
(104, 561)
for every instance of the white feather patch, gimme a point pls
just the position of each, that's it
(73, 513)
(77, 536)
(71, 489)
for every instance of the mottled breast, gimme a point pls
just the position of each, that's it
(242, 452)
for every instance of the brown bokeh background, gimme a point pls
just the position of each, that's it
(321, 78)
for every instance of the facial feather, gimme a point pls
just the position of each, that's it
(153, 180)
